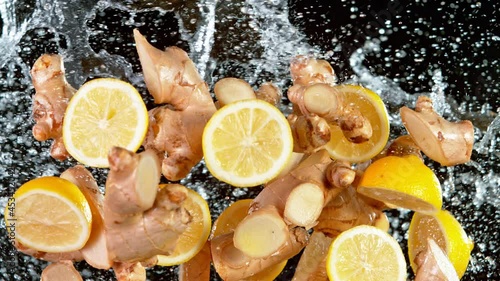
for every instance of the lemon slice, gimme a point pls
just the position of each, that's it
(403, 182)
(49, 214)
(196, 234)
(105, 112)
(227, 222)
(443, 228)
(247, 143)
(365, 253)
(373, 108)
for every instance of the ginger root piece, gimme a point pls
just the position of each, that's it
(326, 102)
(346, 211)
(95, 251)
(232, 264)
(50, 101)
(141, 221)
(449, 143)
(270, 93)
(312, 263)
(310, 133)
(176, 129)
(61, 271)
(50, 257)
(434, 265)
(197, 268)
(307, 71)
(295, 199)
(230, 89)
(125, 271)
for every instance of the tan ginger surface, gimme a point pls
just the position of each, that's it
(197, 268)
(434, 265)
(175, 129)
(141, 221)
(232, 264)
(312, 263)
(61, 271)
(449, 143)
(50, 101)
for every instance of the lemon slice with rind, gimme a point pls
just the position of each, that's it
(372, 107)
(49, 214)
(103, 113)
(404, 182)
(247, 143)
(194, 237)
(443, 228)
(365, 253)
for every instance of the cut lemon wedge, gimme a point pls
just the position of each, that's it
(372, 107)
(403, 182)
(196, 234)
(105, 112)
(227, 222)
(365, 253)
(49, 214)
(247, 143)
(447, 232)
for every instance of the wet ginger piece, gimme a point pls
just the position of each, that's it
(52, 95)
(141, 221)
(449, 143)
(61, 271)
(197, 268)
(176, 128)
(434, 265)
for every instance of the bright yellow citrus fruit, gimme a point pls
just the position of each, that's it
(227, 222)
(196, 234)
(403, 182)
(247, 143)
(443, 228)
(365, 253)
(49, 214)
(372, 107)
(105, 112)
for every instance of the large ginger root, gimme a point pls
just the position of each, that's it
(176, 129)
(312, 263)
(310, 132)
(50, 101)
(197, 268)
(61, 271)
(449, 143)
(232, 264)
(434, 265)
(141, 221)
(295, 199)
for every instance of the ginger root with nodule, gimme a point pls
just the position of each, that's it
(449, 143)
(50, 101)
(175, 129)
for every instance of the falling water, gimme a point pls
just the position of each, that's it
(253, 40)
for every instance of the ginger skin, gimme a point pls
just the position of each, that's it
(312, 263)
(197, 268)
(141, 221)
(175, 130)
(61, 271)
(448, 143)
(434, 265)
(310, 133)
(50, 101)
(230, 89)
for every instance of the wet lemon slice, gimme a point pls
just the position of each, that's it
(49, 214)
(403, 182)
(247, 143)
(227, 222)
(372, 107)
(196, 234)
(443, 228)
(365, 253)
(105, 112)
